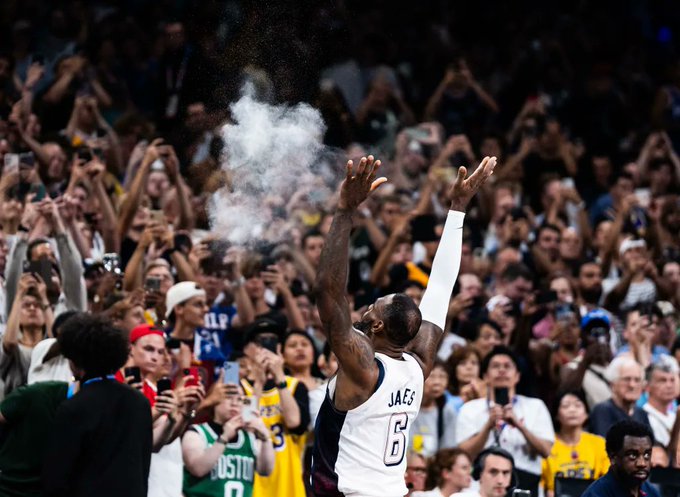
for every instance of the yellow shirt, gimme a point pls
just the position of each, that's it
(587, 460)
(286, 479)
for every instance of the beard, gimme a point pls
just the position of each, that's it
(592, 295)
(364, 327)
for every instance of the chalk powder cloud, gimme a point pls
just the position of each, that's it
(269, 151)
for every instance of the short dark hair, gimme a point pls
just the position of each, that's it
(443, 459)
(516, 270)
(547, 226)
(459, 355)
(93, 344)
(314, 233)
(556, 405)
(402, 319)
(622, 429)
(498, 350)
(33, 244)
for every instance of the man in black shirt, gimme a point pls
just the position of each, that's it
(101, 441)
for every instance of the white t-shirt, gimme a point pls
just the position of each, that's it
(56, 369)
(661, 423)
(166, 471)
(531, 412)
(428, 493)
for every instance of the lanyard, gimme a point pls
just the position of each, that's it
(72, 385)
(176, 88)
(99, 378)
(497, 431)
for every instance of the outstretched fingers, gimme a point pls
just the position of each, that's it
(350, 164)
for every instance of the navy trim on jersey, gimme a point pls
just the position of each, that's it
(327, 430)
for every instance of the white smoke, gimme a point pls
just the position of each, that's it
(270, 153)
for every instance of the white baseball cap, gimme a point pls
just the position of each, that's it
(180, 293)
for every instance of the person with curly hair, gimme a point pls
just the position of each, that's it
(101, 439)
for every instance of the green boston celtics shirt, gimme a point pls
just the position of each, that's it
(233, 473)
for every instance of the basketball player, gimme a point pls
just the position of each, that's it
(362, 430)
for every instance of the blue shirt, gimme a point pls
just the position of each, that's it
(606, 413)
(608, 486)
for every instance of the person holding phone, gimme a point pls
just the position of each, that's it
(228, 440)
(284, 405)
(521, 425)
(29, 322)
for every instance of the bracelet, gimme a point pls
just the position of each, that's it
(221, 440)
(282, 385)
(238, 283)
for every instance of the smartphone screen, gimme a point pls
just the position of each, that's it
(248, 409)
(135, 372)
(231, 373)
(501, 395)
(163, 385)
(269, 342)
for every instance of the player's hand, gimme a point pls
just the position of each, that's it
(359, 183)
(464, 187)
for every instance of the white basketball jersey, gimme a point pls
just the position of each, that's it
(362, 452)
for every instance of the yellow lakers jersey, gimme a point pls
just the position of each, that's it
(286, 479)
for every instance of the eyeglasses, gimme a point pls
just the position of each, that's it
(34, 305)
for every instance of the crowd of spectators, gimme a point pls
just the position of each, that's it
(566, 314)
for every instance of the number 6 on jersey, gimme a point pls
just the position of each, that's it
(396, 439)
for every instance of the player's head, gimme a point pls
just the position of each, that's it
(494, 468)
(629, 446)
(395, 318)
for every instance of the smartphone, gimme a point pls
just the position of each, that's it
(111, 262)
(501, 396)
(269, 342)
(546, 297)
(11, 163)
(158, 216)
(417, 133)
(152, 284)
(249, 409)
(231, 373)
(183, 242)
(135, 372)
(84, 154)
(41, 267)
(98, 153)
(194, 377)
(163, 385)
(568, 183)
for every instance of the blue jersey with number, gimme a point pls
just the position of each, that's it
(362, 452)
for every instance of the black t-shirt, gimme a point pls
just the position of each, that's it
(101, 444)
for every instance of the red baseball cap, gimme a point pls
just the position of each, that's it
(143, 330)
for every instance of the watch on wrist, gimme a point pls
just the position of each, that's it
(281, 385)
(222, 440)
(239, 282)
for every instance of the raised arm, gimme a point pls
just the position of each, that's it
(435, 302)
(353, 349)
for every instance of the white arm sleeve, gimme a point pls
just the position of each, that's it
(435, 302)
